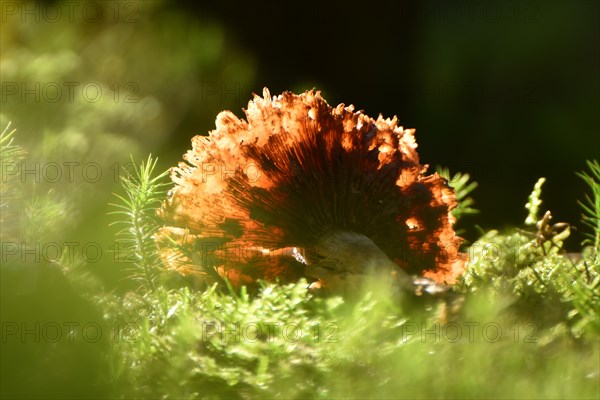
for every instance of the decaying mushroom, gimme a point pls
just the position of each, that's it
(303, 189)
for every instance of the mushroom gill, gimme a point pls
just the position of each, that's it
(303, 189)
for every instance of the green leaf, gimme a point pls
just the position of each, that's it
(144, 192)
(533, 205)
(462, 186)
(591, 207)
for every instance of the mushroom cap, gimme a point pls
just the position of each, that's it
(258, 198)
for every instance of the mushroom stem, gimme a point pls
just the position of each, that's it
(346, 260)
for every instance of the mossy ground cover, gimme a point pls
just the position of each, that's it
(521, 323)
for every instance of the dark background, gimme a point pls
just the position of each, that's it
(507, 91)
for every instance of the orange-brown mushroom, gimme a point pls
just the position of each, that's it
(301, 188)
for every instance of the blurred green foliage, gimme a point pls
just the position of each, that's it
(523, 322)
(287, 344)
(87, 90)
